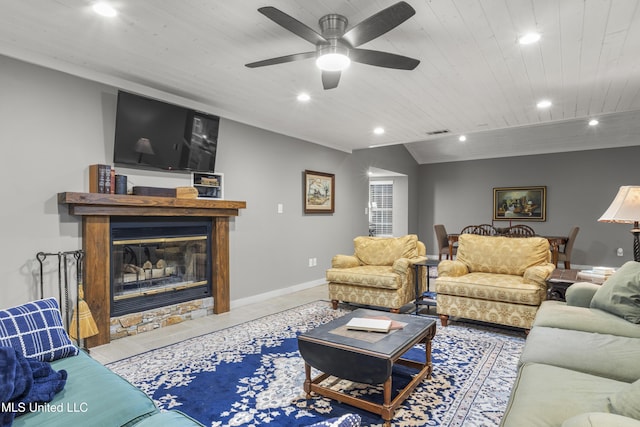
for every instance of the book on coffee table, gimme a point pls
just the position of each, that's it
(368, 324)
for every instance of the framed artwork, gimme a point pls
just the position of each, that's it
(319, 192)
(520, 203)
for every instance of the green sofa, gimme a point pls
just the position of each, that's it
(580, 364)
(95, 396)
(91, 394)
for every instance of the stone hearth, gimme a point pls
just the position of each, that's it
(138, 323)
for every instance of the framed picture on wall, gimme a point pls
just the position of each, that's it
(319, 192)
(520, 203)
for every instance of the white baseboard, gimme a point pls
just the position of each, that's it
(575, 266)
(276, 293)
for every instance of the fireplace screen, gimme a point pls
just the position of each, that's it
(149, 272)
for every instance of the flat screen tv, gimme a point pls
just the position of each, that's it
(152, 134)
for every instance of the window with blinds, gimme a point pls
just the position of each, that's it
(381, 208)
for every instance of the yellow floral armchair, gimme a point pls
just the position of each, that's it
(380, 273)
(499, 280)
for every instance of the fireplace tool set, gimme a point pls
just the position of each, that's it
(81, 323)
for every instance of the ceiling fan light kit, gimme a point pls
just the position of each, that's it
(336, 47)
(333, 60)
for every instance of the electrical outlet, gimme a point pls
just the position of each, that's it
(620, 252)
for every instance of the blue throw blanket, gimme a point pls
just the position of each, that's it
(25, 382)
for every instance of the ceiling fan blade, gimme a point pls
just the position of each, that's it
(330, 79)
(292, 24)
(282, 59)
(378, 24)
(383, 59)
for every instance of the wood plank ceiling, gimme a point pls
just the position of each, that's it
(473, 79)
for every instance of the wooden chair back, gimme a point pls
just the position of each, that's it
(519, 230)
(482, 230)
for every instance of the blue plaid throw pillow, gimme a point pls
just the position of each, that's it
(35, 330)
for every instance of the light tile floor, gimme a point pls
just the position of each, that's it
(129, 346)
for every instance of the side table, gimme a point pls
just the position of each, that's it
(560, 280)
(427, 298)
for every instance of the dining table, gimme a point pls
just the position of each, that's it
(554, 242)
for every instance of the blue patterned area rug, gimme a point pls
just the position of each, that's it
(252, 375)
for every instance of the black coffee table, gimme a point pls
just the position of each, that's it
(365, 357)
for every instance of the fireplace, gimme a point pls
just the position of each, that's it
(98, 209)
(156, 262)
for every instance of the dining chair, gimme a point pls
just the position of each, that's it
(565, 254)
(443, 241)
(482, 230)
(519, 230)
(486, 230)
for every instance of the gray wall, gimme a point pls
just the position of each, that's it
(580, 187)
(400, 219)
(55, 125)
(395, 159)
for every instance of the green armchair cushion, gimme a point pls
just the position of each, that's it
(580, 294)
(93, 395)
(557, 314)
(545, 395)
(600, 419)
(172, 418)
(620, 293)
(627, 401)
(587, 352)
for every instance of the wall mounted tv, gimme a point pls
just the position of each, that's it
(152, 134)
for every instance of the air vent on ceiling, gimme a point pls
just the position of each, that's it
(438, 132)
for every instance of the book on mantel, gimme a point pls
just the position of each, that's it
(369, 324)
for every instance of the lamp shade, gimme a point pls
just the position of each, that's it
(143, 146)
(625, 207)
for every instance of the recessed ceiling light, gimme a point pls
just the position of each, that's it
(529, 38)
(104, 9)
(379, 130)
(545, 103)
(462, 138)
(593, 122)
(303, 97)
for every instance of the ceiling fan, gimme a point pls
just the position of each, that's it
(336, 47)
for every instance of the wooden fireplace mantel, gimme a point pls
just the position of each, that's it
(97, 209)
